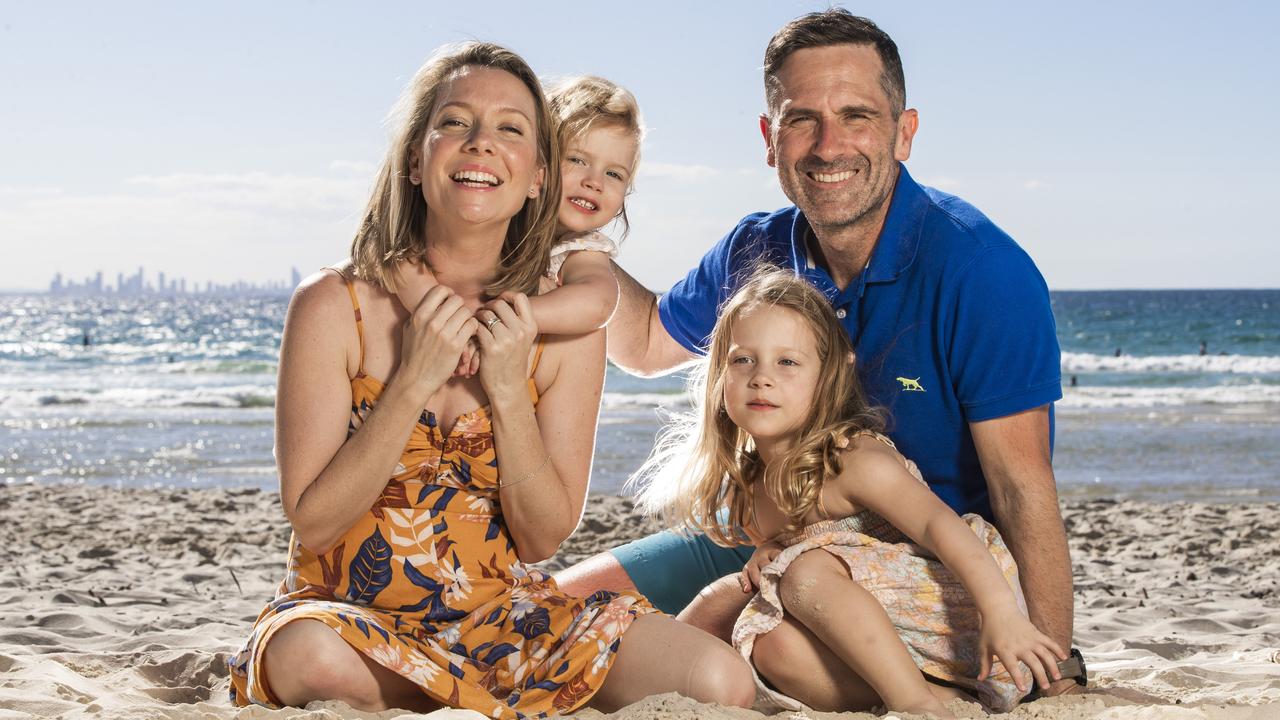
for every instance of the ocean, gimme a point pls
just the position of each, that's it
(1168, 395)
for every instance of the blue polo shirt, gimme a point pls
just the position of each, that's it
(950, 320)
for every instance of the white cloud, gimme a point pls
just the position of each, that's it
(1034, 184)
(675, 171)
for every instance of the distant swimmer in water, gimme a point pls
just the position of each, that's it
(1204, 348)
(1117, 352)
(1074, 381)
(84, 339)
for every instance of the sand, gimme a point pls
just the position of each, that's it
(126, 604)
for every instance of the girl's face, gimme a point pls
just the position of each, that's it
(771, 374)
(596, 173)
(478, 162)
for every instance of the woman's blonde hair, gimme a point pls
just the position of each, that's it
(702, 476)
(395, 219)
(584, 102)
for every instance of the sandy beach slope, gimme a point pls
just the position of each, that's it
(126, 604)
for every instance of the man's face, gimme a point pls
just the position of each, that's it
(832, 135)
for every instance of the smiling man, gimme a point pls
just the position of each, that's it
(949, 316)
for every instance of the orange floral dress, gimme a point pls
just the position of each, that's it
(428, 585)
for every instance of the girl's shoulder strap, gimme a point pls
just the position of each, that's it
(355, 306)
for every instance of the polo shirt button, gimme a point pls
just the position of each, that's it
(841, 313)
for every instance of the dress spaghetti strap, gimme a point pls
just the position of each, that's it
(355, 305)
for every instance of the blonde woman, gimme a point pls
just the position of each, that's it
(417, 496)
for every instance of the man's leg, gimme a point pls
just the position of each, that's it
(667, 568)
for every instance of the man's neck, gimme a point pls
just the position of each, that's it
(845, 250)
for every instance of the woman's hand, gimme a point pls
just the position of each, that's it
(433, 339)
(505, 334)
(1011, 637)
(760, 559)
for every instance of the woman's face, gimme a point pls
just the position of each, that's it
(478, 161)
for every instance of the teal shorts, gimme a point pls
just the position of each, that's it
(670, 569)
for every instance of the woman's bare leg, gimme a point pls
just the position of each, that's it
(717, 607)
(817, 591)
(306, 660)
(659, 654)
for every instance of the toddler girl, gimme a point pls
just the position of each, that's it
(870, 589)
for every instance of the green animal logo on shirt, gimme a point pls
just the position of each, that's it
(911, 384)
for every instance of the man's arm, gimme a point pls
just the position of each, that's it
(638, 342)
(1014, 451)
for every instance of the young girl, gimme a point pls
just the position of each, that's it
(599, 131)
(871, 590)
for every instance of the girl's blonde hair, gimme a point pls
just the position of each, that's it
(702, 476)
(585, 102)
(395, 219)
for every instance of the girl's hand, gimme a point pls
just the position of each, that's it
(760, 559)
(1011, 637)
(433, 339)
(505, 343)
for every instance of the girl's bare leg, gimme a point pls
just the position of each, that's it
(306, 660)
(658, 654)
(717, 607)
(796, 662)
(817, 591)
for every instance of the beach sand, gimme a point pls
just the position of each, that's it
(126, 604)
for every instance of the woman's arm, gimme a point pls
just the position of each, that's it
(544, 454)
(584, 301)
(327, 480)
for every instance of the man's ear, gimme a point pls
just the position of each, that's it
(766, 129)
(908, 124)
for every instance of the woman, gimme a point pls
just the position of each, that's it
(415, 502)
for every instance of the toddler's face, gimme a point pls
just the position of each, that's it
(771, 375)
(596, 173)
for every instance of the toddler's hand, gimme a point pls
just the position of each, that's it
(1012, 638)
(760, 559)
(469, 361)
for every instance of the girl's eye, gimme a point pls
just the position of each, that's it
(740, 360)
(512, 129)
(575, 160)
(616, 175)
(788, 361)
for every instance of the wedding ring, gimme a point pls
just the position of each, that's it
(488, 324)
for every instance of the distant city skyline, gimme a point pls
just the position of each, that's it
(137, 284)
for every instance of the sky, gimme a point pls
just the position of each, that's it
(1124, 145)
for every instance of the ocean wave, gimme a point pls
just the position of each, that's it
(1133, 397)
(1220, 364)
(614, 400)
(144, 397)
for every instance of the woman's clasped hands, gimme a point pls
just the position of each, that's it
(443, 338)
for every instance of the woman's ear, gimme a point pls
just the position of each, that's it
(538, 179)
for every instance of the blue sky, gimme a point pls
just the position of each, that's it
(1125, 145)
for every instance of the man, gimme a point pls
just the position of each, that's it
(950, 319)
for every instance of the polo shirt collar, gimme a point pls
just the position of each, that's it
(899, 238)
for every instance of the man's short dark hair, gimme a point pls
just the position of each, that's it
(835, 26)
